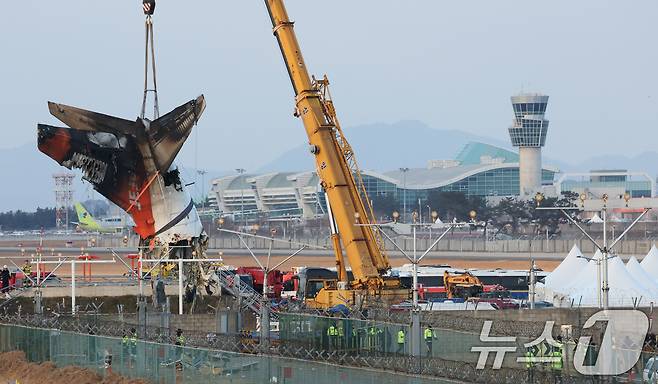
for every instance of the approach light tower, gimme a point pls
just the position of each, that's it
(63, 198)
(528, 133)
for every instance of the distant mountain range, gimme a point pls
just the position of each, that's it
(385, 147)
(382, 147)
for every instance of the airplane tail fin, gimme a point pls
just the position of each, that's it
(85, 218)
(169, 132)
(166, 135)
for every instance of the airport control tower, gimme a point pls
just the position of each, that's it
(528, 132)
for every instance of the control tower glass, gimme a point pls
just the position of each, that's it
(528, 133)
(529, 127)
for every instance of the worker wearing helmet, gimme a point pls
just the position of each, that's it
(332, 335)
(401, 339)
(429, 335)
(179, 342)
(27, 271)
(4, 279)
(180, 339)
(27, 268)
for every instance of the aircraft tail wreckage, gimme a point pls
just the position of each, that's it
(132, 164)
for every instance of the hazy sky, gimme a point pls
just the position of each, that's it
(450, 64)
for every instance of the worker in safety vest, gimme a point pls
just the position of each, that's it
(179, 342)
(332, 334)
(356, 340)
(556, 365)
(530, 353)
(133, 341)
(373, 334)
(180, 339)
(27, 268)
(125, 343)
(27, 271)
(129, 345)
(429, 335)
(341, 335)
(400, 338)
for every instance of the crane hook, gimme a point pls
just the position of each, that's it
(149, 7)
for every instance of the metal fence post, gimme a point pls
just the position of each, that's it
(38, 308)
(415, 332)
(141, 317)
(166, 318)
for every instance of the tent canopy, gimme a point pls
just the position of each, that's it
(625, 290)
(568, 268)
(650, 261)
(641, 276)
(596, 219)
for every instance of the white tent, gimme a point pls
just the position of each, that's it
(641, 276)
(583, 277)
(595, 220)
(624, 288)
(552, 289)
(568, 268)
(650, 262)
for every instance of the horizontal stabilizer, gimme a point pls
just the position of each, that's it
(85, 120)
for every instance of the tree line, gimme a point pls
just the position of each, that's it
(506, 215)
(26, 221)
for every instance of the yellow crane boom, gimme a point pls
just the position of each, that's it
(335, 162)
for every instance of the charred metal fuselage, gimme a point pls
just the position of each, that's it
(131, 163)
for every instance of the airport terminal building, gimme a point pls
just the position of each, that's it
(478, 170)
(613, 182)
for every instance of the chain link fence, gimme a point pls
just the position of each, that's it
(165, 363)
(304, 338)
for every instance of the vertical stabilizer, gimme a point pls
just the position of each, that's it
(85, 219)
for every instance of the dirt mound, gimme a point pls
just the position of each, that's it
(14, 366)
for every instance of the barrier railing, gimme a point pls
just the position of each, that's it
(303, 342)
(165, 363)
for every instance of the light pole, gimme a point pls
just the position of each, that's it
(240, 171)
(404, 192)
(533, 277)
(472, 215)
(434, 215)
(264, 314)
(414, 260)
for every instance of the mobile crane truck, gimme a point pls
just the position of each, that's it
(350, 218)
